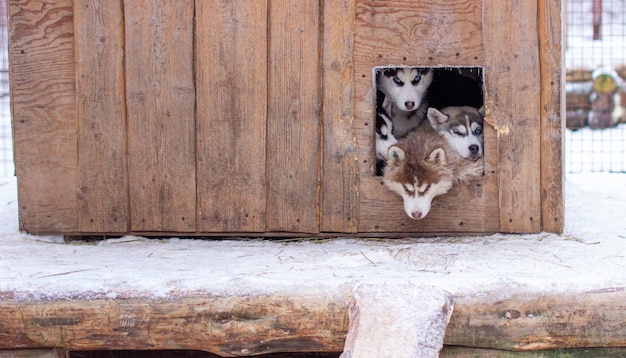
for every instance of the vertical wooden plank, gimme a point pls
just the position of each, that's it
(160, 98)
(42, 73)
(293, 116)
(512, 104)
(103, 178)
(429, 34)
(231, 82)
(551, 26)
(340, 190)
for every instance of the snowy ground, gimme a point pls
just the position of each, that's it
(589, 255)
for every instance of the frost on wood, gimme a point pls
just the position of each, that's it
(402, 321)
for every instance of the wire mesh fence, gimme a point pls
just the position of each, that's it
(595, 138)
(6, 144)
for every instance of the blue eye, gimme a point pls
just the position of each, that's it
(478, 131)
(416, 79)
(398, 81)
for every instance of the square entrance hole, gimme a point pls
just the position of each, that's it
(405, 94)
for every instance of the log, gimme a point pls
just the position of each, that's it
(302, 322)
(33, 353)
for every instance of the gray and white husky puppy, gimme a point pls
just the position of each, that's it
(405, 90)
(462, 127)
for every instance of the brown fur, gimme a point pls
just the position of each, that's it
(418, 146)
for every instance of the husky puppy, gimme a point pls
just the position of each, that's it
(404, 89)
(384, 139)
(422, 166)
(462, 127)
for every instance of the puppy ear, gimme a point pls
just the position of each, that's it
(396, 155)
(481, 111)
(437, 156)
(435, 117)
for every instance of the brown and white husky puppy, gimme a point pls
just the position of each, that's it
(422, 166)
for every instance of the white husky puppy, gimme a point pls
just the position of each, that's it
(422, 166)
(462, 127)
(405, 91)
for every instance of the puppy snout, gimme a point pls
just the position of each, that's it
(416, 214)
(409, 104)
(473, 149)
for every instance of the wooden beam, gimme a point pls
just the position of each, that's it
(551, 21)
(101, 116)
(160, 97)
(231, 115)
(294, 117)
(512, 106)
(43, 101)
(303, 322)
(33, 353)
(340, 166)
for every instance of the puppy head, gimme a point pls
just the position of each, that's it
(405, 86)
(462, 127)
(417, 180)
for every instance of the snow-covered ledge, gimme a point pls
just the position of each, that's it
(243, 297)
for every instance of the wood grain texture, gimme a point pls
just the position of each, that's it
(231, 81)
(43, 98)
(551, 40)
(419, 33)
(386, 34)
(297, 322)
(228, 326)
(293, 119)
(512, 105)
(101, 116)
(160, 97)
(340, 178)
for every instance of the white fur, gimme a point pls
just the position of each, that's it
(417, 197)
(385, 138)
(404, 97)
(422, 166)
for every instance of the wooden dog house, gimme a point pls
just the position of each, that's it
(215, 117)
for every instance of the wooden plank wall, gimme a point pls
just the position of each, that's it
(257, 117)
(512, 94)
(340, 165)
(293, 120)
(102, 154)
(43, 101)
(428, 34)
(231, 115)
(551, 37)
(160, 100)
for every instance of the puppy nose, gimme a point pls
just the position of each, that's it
(417, 214)
(409, 104)
(473, 148)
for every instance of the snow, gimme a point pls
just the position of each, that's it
(588, 256)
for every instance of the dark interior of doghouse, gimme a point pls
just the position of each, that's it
(450, 86)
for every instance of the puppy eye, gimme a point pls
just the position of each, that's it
(457, 132)
(425, 189)
(416, 79)
(478, 131)
(398, 81)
